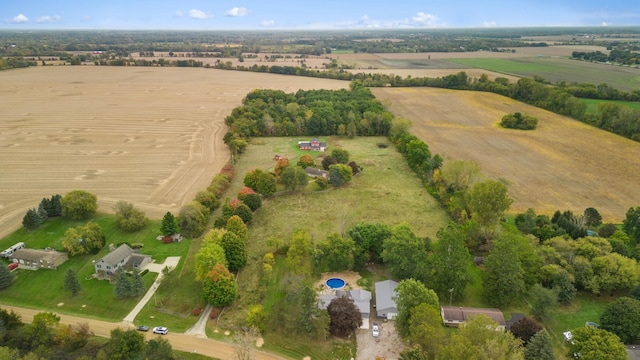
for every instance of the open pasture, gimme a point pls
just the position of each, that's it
(562, 165)
(557, 69)
(151, 136)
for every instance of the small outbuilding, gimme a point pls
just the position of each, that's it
(314, 173)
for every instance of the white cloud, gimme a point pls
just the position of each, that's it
(199, 14)
(237, 11)
(179, 14)
(604, 24)
(422, 20)
(267, 23)
(19, 19)
(48, 19)
(489, 24)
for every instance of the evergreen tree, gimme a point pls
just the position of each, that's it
(31, 220)
(137, 284)
(47, 205)
(42, 213)
(71, 282)
(6, 277)
(169, 224)
(56, 206)
(540, 347)
(122, 287)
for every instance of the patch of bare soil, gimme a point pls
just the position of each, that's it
(562, 165)
(387, 346)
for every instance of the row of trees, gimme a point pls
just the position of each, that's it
(47, 338)
(46, 209)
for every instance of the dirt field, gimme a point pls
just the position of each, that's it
(152, 136)
(563, 165)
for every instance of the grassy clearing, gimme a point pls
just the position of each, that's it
(42, 289)
(558, 69)
(592, 104)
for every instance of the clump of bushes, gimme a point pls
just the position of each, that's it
(519, 121)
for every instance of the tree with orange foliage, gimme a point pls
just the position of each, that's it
(219, 287)
(281, 164)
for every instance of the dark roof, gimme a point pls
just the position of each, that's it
(462, 314)
(515, 317)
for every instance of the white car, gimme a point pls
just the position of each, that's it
(160, 330)
(375, 330)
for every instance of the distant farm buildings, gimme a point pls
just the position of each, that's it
(313, 145)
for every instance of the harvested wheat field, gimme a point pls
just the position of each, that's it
(562, 165)
(151, 136)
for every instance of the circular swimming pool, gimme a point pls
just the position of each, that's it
(335, 283)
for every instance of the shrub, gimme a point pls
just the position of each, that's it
(213, 314)
(196, 311)
(519, 121)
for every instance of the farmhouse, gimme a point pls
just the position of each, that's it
(454, 316)
(124, 257)
(34, 259)
(385, 299)
(313, 145)
(361, 299)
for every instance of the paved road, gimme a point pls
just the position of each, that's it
(183, 342)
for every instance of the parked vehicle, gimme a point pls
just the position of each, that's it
(13, 266)
(160, 330)
(375, 331)
(142, 328)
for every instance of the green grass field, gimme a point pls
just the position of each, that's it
(43, 289)
(592, 104)
(558, 69)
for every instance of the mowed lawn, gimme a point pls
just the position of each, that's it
(560, 69)
(43, 289)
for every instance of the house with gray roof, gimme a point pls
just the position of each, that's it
(361, 299)
(34, 259)
(124, 257)
(386, 294)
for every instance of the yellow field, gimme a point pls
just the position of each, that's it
(563, 165)
(151, 136)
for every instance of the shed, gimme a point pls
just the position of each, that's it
(314, 173)
(385, 299)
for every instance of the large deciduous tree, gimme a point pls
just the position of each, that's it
(78, 205)
(503, 278)
(525, 329)
(405, 254)
(87, 239)
(542, 300)
(593, 343)
(345, 316)
(208, 199)
(488, 201)
(450, 263)
(622, 317)
(235, 251)
(336, 253)
(340, 174)
(238, 227)
(128, 217)
(210, 254)
(412, 293)
(300, 251)
(294, 178)
(192, 219)
(631, 224)
(369, 239)
(425, 328)
(219, 287)
(341, 155)
(125, 344)
(305, 161)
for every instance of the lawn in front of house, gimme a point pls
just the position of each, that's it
(43, 288)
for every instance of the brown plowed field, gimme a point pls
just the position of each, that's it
(151, 136)
(564, 164)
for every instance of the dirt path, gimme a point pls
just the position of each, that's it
(203, 346)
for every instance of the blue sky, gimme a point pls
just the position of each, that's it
(312, 14)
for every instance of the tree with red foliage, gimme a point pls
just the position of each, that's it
(345, 316)
(525, 329)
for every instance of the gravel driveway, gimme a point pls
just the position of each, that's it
(388, 346)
